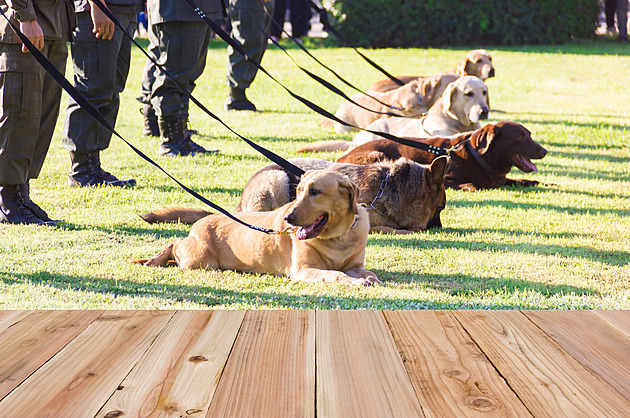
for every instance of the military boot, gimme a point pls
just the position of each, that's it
(25, 191)
(151, 127)
(86, 171)
(189, 143)
(238, 101)
(174, 140)
(12, 207)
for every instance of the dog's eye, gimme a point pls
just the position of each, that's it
(315, 192)
(470, 93)
(485, 93)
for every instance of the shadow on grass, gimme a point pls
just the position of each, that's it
(432, 241)
(211, 296)
(554, 121)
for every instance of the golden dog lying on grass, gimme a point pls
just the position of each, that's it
(328, 244)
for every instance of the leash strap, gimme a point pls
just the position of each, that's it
(269, 154)
(340, 78)
(329, 28)
(91, 110)
(317, 109)
(479, 158)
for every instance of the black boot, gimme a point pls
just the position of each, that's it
(151, 127)
(25, 191)
(174, 138)
(238, 101)
(86, 171)
(190, 144)
(12, 207)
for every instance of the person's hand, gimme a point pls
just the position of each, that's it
(103, 27)
(33, 32)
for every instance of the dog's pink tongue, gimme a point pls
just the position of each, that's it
(530, 165)
(303, 232)
(524, 164)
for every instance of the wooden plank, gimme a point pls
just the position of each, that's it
(180, 372)
(545, 377)
(449, 373)
(593, 341)
(9, 318)
(618, 319)
(28, 344)
(83, 375)
(271, 371)
(359, 370)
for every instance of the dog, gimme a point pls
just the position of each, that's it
(328, 244)
(477, 62)
(406, 99)
(410, 196)
(462, 105)
(480, 160)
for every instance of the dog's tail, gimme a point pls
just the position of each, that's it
(174, 215)
(326, 146)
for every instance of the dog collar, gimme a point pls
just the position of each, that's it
(479, 158)
(378, 196)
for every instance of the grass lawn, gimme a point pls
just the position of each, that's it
(559, 247)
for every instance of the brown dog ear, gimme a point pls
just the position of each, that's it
(463, 68)
(411, 100)
(448, 97)
(482, 138)
(427, 87)
(437, 170)
(348, 187)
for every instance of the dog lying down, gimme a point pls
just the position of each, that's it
(477, 62)
(482, 162)
(328, 244)
(462, 105)
(410, 195)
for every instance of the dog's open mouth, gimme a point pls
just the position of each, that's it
(313, 230)
(524, 164)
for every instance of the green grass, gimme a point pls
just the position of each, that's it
(545, 247)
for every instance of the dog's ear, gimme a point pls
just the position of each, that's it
(412, 100)
(488, 98)
(463, 67)
(437, 170)
(482, 138)
(427, 88)
(448, 97)
(353, 192)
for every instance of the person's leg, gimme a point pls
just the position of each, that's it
(247, 17)
(622, 20)
(610, 6)
(97, 78)
(300, 18)
(279, 11)
(148, 78)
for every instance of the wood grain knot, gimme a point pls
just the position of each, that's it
(114, 414)
(483, 403)
(197, 359)
(193, 411)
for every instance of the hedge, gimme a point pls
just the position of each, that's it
(424, 23)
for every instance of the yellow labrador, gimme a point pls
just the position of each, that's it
(327, 245)
(477, 62)
(463, 104)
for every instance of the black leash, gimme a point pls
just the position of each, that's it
(238, 48)
(269, 154)
(323, 18)
(327, 85)
(85, 104)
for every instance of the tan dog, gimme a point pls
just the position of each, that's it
(406, 99)
(462, 105)
(328, 243)
(477, 62)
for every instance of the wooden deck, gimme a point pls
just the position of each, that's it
(314, 363)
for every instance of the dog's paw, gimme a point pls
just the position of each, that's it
(368, 280)
(139, 261)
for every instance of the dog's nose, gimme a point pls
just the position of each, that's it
(491, 73)
(484, 113)
(290, 218)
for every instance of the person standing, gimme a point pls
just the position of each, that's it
(247, 17)
(179, 43)
(101, 55)
(30, 100)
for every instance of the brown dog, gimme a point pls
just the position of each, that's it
(477, 62)
(406, 99)
(481, 162)
(328, 243)
(410, 196)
